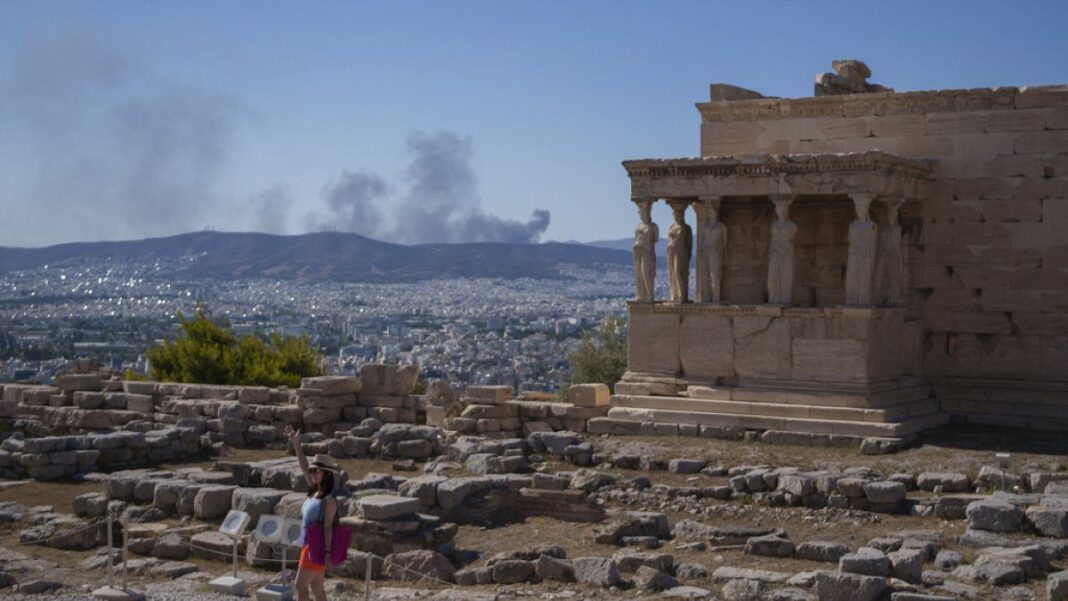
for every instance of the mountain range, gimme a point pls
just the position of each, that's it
(335, 256)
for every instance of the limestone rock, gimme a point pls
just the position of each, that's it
(550, 568)
(413, 566)
(598, 571)
(512, 571)
(836, 586)
(949, 481)
(822, 551)
(652, 580)
(1057, 586)
(769, 546)
(994, 515)
(1049, 520)
(866, 561)
(907, 565)
(386, 507)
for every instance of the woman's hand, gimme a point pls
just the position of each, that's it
(292, 435)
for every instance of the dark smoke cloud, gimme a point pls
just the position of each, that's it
(441, 202)
(270, 209)
(107, 147)
(351, 199)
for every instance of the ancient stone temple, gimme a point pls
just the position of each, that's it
(867, 262)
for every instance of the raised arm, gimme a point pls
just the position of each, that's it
(298, 450)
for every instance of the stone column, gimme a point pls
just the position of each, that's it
(889, 264)
(781, 253)
(860, 265)
(645, 238)
(679, 249)
(711, 245)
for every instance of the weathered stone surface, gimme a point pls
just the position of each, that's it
(213, 501)
(907, 564)
(652, 580)
(628, 561)
(742, 590)
(994, 515)
(835, 586)
(256, 501)
(170, 546)
(597, 571)
(386, 507)
(769, 546)
(413, 566)
(332, 385)
(1049, 520)
(551, 568)
(588, 395)
(1057, 586)
(822, 551)
(512, 571)
(686, 466)
(725, 573)
(866, 561)
(949, 481)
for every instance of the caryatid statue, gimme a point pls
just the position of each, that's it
(711, 244)
(645, 238)
(860, 265)
(679, 248)
(889, 266)
(781, 254)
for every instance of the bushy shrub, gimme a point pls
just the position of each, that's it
(207, 352)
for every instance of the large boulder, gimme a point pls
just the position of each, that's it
(815, 550)
(213, 501)
(598, 571)
(1050, 520)
(837, 586)
(419, 565)
(256, 501)
(866, 561)
(769, 546)
(994, 515)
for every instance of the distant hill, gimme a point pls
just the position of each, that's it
(324, 256)
(627, 244)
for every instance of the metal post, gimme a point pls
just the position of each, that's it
(284, 546)
(367, 576)
(111, 555)
(235, 557)
(125, 556)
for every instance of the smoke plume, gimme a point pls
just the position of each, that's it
(440, 203)
(104, 146)
(270, 208)
(351, 199)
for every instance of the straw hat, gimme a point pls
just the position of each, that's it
(325, 463)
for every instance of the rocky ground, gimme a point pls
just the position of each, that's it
(734, 520)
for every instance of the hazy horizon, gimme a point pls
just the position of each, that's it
(424, 122)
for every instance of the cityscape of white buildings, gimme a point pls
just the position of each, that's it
(469, 331)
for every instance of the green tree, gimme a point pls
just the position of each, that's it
(207, 352)
(601, 355)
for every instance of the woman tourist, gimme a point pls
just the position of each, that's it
(319, 508)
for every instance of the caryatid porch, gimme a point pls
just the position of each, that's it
(800, 319)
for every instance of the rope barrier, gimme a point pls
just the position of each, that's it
(63, 534)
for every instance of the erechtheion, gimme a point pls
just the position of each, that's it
(869, 262)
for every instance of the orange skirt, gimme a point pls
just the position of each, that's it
(306, 562)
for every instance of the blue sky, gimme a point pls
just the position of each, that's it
(545, 98)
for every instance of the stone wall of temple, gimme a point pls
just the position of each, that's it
(987, 251)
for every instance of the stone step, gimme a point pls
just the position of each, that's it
(887, 414)
(907, 393)
(787, 424)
